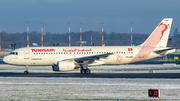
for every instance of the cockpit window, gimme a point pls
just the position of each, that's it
(13, 53)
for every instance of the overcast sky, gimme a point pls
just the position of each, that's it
(115, 14)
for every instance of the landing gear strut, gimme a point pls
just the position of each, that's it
(26, 71)
(85, 70)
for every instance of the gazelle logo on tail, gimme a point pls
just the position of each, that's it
(162, 32)
(159, 36)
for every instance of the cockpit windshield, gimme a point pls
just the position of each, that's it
(13, 53)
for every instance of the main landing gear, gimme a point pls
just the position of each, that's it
(26, 71)
(84, 69)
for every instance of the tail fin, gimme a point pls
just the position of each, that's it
(159, 36)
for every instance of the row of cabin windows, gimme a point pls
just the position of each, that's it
(84, 53)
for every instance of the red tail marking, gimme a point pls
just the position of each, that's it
(166, 26)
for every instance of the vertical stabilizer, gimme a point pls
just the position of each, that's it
(159, 36)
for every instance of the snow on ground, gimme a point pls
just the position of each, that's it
(35, 88)
(26, 88)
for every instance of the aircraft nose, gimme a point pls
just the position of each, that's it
(5, 59)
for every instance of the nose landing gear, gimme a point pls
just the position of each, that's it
(26, 71)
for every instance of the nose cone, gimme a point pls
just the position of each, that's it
(5, 59)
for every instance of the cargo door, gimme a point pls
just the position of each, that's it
(26, 54)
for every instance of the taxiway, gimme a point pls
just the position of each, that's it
(93, 75)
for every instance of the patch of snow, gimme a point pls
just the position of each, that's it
(27, 88)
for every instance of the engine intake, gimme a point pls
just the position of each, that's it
(64, 66)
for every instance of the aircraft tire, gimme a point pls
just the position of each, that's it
(88, 71)
(83, 71)
(26, 72)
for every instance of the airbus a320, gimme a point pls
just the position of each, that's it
(83, 57)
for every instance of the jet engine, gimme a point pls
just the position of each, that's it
(64, 66)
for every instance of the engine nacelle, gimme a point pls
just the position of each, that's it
(64, 66)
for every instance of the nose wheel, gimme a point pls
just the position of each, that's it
(26, 71)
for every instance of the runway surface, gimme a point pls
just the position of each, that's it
(93, 75)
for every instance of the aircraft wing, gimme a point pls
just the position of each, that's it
(88, 59)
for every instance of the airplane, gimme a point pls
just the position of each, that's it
(75, 57)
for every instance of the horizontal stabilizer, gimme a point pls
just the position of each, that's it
(163, 51)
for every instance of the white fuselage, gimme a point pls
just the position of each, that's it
(50, 55)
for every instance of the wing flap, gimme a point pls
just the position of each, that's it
(88, 59)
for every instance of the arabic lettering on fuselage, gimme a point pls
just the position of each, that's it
(43, 50)
(77, 50)
(71, 50)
